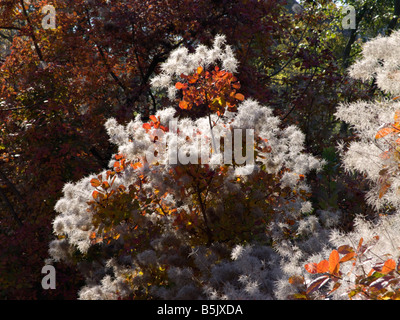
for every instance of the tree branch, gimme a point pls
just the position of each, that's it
(353, 35)
(392, 24)
(10, 207)
(10, 28)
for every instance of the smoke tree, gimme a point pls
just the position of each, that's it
(195, 199)
(365, 263)
(58, 87)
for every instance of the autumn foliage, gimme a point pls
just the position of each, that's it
(380, 282)
(179, 149)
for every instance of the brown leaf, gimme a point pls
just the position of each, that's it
(316, 284)
(345, 249)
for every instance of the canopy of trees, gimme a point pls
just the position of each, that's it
(89, 88)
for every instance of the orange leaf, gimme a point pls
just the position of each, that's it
(105, 185)
(136, 165)
(334, 262)
(193, 79)
(397, 113)
(386, 155)
(116, 237)
(389, 266)
(239, 96)
(384, 132)
(383, 189)
(199, 70)
(323, 266)
(348, 257)
(183, 105)
(147, 126)
(360, 244)
(95, 194)
(311, 267)
(335, 287)
(95, 182)
(118, 156)
(296, 280)
(153, 118)
(180, 85)
(371, 272)
(236, 85)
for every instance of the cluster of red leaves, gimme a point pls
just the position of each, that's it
(380, 283)
(213, 91)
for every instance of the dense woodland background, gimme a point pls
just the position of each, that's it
(59, 87)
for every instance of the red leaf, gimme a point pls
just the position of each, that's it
(389, 266)
(334, 262)
(316, 284)
(153, 118)
(95, 194)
